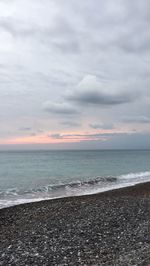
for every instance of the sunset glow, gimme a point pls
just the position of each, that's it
(69, 137)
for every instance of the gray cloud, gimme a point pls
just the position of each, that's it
(33, 134)
(59, 108)
(78, 56)
(95, 97)
(71, 35)
(101, 126)
(25, 129)
(82, 137)
(61, 36)
(137, 119)
(136, 40)
(55, 136)
(67, 47)
(18, 28)
(91, 91)
(71, 124)
(29, 129)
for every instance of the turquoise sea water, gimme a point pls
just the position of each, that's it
(35, 175)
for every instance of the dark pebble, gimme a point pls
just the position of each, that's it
(111, 228)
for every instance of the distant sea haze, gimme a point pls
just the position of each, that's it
(27, 176)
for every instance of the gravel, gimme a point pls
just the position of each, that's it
(111, 228)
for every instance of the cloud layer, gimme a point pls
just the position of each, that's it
(69, 65)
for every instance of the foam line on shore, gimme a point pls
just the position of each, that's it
(109, 192)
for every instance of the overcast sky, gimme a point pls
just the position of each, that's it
(75, 74)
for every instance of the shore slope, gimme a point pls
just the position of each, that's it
(110, 228)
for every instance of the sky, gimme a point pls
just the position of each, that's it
(74, 74)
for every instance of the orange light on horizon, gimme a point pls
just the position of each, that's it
(71, 137)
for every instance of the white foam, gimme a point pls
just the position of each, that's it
(135, 175)
(127, 180)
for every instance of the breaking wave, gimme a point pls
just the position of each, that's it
(136, 175)
(14, 196)
(61, 186)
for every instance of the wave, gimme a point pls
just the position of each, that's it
(60, 186)
(102, 183)
(135, 175)
(16, 196)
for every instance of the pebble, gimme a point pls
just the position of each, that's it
(110, 229)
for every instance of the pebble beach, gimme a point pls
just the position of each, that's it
(110, 228)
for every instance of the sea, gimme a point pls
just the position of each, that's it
(28, 176)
